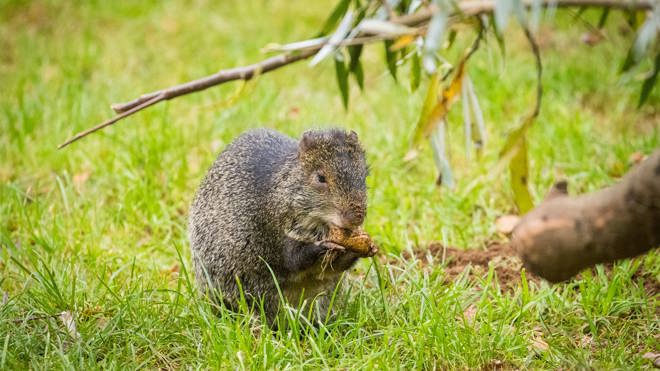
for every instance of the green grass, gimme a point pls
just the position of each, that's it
(96, 228)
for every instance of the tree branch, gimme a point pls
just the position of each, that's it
(466, 8)
(565, 234)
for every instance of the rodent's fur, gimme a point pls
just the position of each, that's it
(268, 201)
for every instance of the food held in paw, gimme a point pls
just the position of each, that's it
(357, 241)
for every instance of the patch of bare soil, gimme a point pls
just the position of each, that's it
(506, 263)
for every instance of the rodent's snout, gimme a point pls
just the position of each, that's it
(352, 218)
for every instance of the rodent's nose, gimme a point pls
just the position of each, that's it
(352, 218)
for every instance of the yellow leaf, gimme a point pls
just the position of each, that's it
(519, 177)
(402, 42)
(432, 116)
(427, 107)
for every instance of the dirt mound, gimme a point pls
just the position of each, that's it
(506, 263)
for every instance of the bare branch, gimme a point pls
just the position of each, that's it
(478, 7)
(239, 73)
(465, 8)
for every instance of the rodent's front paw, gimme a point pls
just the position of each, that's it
(332, 246)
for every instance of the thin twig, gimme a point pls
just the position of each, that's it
(239, 73)
(478, 7)
(465, 8)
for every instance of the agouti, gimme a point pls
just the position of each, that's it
(264, 212)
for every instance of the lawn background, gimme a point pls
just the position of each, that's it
(99, 228)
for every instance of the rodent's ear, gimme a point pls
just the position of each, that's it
(306, 141)
(353, 137)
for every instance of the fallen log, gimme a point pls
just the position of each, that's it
(565, 234)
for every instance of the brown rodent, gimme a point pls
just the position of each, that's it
(263, 213)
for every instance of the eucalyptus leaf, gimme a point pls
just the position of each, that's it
(341, 72)
(535, 16)
(603, 17)
(336, 38)
(519, 12)
(433, 42)
(414, 5)
(390, 58)
(467, 117)
(503, 10)
(519, 170)
(358, 73)
(382, 12)
(383, 28)
(480, 135)
(339, 10)
(648, 33)
(500, 40)
(415, 71)
(451, 38)
(649, 82)
(441, 156)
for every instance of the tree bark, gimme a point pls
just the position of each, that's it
(564, 234)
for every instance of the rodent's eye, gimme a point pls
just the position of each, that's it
(319, 180)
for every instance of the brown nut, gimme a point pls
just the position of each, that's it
(357, 241)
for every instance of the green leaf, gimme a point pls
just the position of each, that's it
(427, 107)
(355, 65)
(451, 38)
(415, 72)
(390, 58)
(339, 10)
(519, 179)
(358, 73)
(649, 82)
(354, 52)
(579, 12)
(500, 40)
(603, 17)
(342, 78)
(430, 119)
(629, 61)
